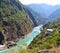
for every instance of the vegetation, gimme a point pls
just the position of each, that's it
(14, 21)
(41, 42)
(50, 40)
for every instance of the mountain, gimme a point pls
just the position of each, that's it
(45, 12)
(15, 22)
(43, 9)
(37, 9)
(36, 17)
(54, 15)
(33, 18)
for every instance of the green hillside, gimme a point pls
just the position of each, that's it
(48, 40)
(14, 21)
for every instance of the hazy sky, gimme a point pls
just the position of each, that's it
(52, 2)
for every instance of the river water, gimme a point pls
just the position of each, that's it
(23, 43)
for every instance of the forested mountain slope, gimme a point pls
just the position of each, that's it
(14, 21)
(47, 39)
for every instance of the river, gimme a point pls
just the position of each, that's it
(23, 43)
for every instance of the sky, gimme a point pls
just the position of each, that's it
(51, 2)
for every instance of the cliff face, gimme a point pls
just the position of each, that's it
(14, 21)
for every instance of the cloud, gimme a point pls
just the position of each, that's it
(52, 2)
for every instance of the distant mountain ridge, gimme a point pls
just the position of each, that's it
(55, 15)
(44, 9)
(45, 12)
(36, 17)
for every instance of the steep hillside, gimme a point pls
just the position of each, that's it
(31, 15)
(36, 17)
(14, 21)
(47, 39)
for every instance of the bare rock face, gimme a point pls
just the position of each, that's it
(14, 21)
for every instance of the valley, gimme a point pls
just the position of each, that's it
(48, 39)
(15, 23)
(31, 28)
(44, 12)
(23, 43)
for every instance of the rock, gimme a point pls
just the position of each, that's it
(2, 47)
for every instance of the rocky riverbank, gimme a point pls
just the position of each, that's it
(24, 42)
(2, 47)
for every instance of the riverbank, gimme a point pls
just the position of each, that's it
(23, 43)
(2, 47)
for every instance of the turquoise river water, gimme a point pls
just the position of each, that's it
(23, 43)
